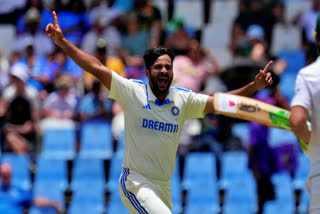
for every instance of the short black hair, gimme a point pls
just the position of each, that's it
(152, 54)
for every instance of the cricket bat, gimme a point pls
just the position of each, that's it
(253, 110)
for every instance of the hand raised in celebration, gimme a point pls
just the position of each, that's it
(54, 31)
(263, 78)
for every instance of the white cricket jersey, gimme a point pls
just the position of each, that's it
(152, 130)
(307, 94)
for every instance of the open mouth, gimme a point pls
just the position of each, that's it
(163, 82)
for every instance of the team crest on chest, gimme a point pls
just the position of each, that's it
(175, 110)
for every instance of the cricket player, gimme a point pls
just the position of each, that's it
(154, 116)
(305, 106)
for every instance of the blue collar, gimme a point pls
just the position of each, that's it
(167, 101)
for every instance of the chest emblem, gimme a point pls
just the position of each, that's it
(175, 110)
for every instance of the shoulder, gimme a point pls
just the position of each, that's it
(179, 92)
(133, 84)
(311, 70)
(137, 81)
(179, 89)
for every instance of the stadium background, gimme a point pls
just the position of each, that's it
(76, 159)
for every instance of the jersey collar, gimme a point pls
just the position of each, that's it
(153, 98)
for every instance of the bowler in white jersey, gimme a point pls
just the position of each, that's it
(306, 106)
(154, 116)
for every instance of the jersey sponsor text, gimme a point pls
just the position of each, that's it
(159, 126)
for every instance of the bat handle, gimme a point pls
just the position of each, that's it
(303, 145)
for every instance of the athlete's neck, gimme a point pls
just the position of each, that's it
(161, 96)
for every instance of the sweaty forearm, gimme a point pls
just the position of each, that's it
(247, 90)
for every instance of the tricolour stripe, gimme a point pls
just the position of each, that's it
(132, 198)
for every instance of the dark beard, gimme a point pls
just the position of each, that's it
(155, 89)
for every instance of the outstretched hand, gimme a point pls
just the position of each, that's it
(54, 31)
(263, 78)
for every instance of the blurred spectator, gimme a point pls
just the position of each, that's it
(107, 10)
(134, 43)
(61, 104)
(286, 35)
(262, 158)
(73, 20)
(239, 45)
(61, 64)
(101, 29)
(14, 200)
(307, 22)
(191, 70)
(14, 58)
(38, 69)
(44, 8)
(259, 47)
(114, 63)
(149, 19)
(20, 130)
(262, 162)
(256, 14)
(178, 38)
(10, 10)
(34, 35)
(95, 105)
(4, 73)
(3, 114)
(19, 75)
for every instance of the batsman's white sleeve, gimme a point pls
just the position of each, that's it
(302, 96)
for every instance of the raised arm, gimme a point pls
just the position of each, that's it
(261, 80)
(85, 61)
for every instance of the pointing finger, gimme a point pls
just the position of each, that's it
(267, 66)
(55, 19)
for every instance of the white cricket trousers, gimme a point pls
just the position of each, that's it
(313, 187)
(141, 196)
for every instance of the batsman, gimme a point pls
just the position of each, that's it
(154, 116)
(305, 106)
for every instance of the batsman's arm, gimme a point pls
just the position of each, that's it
(84, 60)
(298, 122)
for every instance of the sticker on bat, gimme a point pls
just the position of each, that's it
(280, 118)
(249, 108)
(227, 103)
